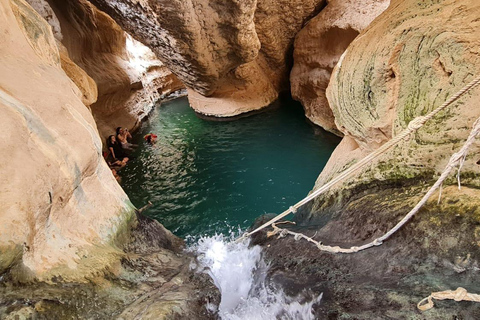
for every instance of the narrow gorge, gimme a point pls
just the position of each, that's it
(79, 240)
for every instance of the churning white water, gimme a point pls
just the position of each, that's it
(239, 273)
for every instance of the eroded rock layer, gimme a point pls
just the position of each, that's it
(128, 76)
(406, 64)
(318, 47)
(62, 210)
(412, 58)
(233, 55)
(71, 245)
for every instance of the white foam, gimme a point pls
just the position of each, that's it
(239, 273)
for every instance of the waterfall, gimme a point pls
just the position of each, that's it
(239, 272)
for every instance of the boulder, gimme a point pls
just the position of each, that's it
(318, 47)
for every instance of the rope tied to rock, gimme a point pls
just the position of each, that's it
(413, 126)
(460, 294)
(455, 160)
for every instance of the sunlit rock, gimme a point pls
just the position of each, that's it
(62, 210)
(318, 47)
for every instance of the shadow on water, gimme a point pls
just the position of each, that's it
(205, 177)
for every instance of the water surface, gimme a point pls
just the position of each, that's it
(204, 177)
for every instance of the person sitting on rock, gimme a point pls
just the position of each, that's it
(123, 136)
(116, 157)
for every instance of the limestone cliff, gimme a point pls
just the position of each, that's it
(233, 55)
(318, 47)
(61, 208)
(407, 63)
(411, 58)
(127, 74)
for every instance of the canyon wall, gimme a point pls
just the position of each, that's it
(62, 209)
(233, 56)
(408, 62)
(128, 76)
(318, 47)
(71, 244)
(411, 59)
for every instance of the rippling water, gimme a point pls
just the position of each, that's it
(205, 176)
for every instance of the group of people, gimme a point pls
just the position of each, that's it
(120, 148)
(119, 152)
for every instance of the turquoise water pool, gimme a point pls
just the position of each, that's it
(206, 177)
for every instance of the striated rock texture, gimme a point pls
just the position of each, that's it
(152, 281)
(426, 54)
(233, 55)
(62, 211)
(318, 47)
(406, 63)
(71, 245)
(129, 78)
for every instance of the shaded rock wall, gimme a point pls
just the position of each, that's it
(318, 47)
(128, 76)
(152, 281)
(232, 55)
(62, 210)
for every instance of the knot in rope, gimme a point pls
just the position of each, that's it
(416, 123)
(460, 294)
(293, 209)
(283, 233)
(377, 242)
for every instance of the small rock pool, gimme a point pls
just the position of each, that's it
(205, 177)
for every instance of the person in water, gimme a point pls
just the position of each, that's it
(116, 156)
(123, 136)
(150, 138)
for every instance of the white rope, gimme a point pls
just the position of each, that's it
(458, 295)
(414, 125)
(456, 159)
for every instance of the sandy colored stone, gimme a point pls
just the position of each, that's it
(153, 280)
(84, 82)
(405, 64)
(234, 56)
(318, 47)
(98, 55)
(411, 58)
(62, 210)
(251, 92)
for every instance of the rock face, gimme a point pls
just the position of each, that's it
(406, 63)
(129, 78)
(318, 47)
(67, 229)
(152, 281)
(62, 210)
(378, 87)
(231, 54)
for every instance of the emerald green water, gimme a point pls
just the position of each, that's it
(206, 177)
